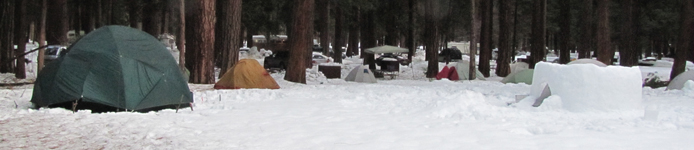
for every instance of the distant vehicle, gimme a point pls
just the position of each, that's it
(391, 57)
(279, 60)
(453, 53)
(319, 58)
(53, 52)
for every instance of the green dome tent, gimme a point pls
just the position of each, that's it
(523, 76)
(114, 68)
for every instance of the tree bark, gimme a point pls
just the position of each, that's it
(200, 41)
(6, 35)
(537, 47)
(585, 41)
(339, 40)
(353, 48)
(503, 60)
(181, 37)
(368, 37)
(486, 37)
(604, 51)
(628, 52)
(135, 13)
(323, 10)
(151, 23)
(300, 40)
(410, 30)
(42, 35)
(20, 38)
(431, 35)
(565, 27)
(476, 22)
(228, 32)
(58, 26)
(683, 46)
(514, 48)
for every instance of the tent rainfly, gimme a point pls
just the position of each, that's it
(678, 82)
(361, 74)
(246, 74)
(113, 68)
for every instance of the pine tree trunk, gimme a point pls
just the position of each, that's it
(20, 38)
(410, 30)
(515, 31)
(368, 37)
(431, 34)
(586, 26)
(486, 37)
(57, 24)
(476, 22)
(6, 35)
(683, 45)
(228, 32)
(565, 27)
(323, 10)
(627, 48)
(604, 50)
(300, 40)
(181, 35)
(537, 38)
(353, 48)
(134, 12)
(339, 41)
(151, 23)
(42, 35)
(503, 60)
(200, 41)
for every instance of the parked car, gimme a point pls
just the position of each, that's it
(392, 57)
(319, 58)
(453, 53)
(53, 52)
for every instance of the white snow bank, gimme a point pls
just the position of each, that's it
(587, 87)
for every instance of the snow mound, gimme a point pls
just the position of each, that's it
(587, 87)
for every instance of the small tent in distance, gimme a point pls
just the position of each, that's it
(113, 68)
(246, 74)
(361, 74)
(463, 67)
(678, 82)
(523, 76)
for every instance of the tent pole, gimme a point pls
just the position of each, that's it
(179, 104)
(74, 106)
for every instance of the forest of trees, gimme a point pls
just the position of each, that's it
(209, 32)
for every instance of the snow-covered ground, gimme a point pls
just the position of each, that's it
(409, 112)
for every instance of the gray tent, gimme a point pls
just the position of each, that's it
(361, 74)
(523, 76)
(678, 82)
(587, 61)
(463, 69)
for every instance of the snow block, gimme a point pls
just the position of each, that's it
(587, 87)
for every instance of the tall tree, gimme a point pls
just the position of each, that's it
(486, 11)
(537, 38)
(323, 10)
(58, 25)
(628, 50)
(152, 21)
(586, 23)
(135, 13)
(200, 41)
(42, 34)
(353, 48)
(476, 22)
(431, 34)
(503, 60)
(6, 36)
(300, 40)
(410, 30)
(20, 38)
(339, 40)
(565, 29)
(684, 44)
(227, 33)
(181, 35)
(604, 51)
(368, 38)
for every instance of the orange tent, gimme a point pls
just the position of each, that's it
(246, 74)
